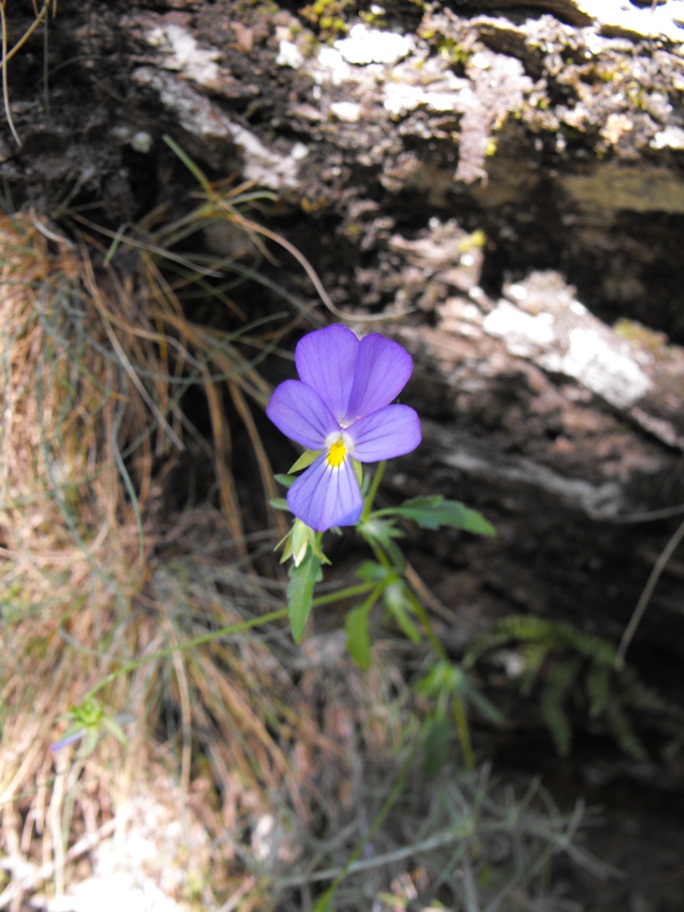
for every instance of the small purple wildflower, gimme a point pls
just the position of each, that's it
(340, 406)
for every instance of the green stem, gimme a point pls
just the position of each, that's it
(463, 730)
(373, 490)
(428, 629)
(382, 558)
(323, 902)
(188, 644)
(460, 716)
(349, 592)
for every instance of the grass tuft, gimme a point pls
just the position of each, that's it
(94, 365)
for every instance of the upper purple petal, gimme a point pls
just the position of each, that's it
(383, 368)
(300, 413)
(326, 496)
(325, 360)
(389, 432)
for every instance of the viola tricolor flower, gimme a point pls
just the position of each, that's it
(340, 408)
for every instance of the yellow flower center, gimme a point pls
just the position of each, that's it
(336, 453)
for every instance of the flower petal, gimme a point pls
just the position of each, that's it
(383, 368)
(325, 496)
(389, 432)
(325, 361)
(300, 413)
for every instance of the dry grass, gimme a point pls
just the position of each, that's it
(93, 367)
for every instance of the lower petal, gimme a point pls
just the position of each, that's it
(326, 496)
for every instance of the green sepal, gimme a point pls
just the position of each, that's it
(300, 536)
(300, 539)
(358, 471)
(305, 460)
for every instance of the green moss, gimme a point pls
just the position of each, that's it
(328, 16)
(454, 52)
(636, 95)
(491, 148)
(474, 241)
(373, 19)
(640, 336)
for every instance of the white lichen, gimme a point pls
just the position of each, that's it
(585, 350)
(289, 55)
(184, 55)
(348, 111)
(200, 117)
(368, 45)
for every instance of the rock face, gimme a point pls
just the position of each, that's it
(508, 176)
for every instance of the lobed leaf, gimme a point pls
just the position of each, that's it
(434, 512)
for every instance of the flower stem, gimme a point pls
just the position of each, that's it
(460, 716)
(373, 490)
(188, 644)
(428, 629)
(349, 592)
(463, 730)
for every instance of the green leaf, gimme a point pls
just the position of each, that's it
(110, 724)
(556, 718)
(380, 530)
(434, 512)
(89, 713)
(381, 533)
(305, 460)
(372, 572)
(285, 480)
(300, 593)
(92, 736)
(438, 679)
(399, 604)
(358, 636)
(436, 743)
(485, 707)
(322, 904)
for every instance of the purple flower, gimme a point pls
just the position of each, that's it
(341, 407)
